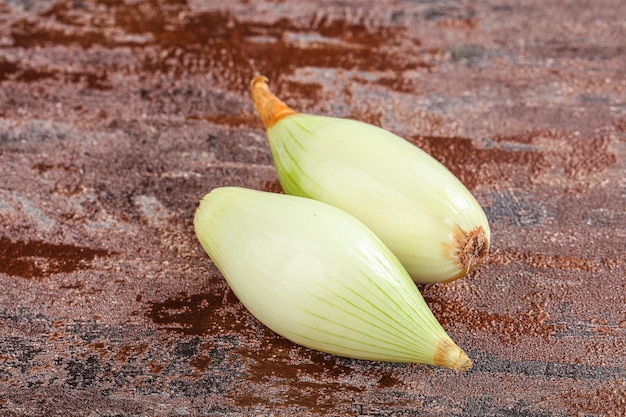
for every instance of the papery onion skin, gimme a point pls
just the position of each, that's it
(319, 277)
(422, 212)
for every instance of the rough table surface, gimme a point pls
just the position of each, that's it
(117, 116)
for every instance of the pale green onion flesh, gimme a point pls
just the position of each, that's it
(320, 278)
(417, 207)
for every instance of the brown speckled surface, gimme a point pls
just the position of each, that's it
(116, 116)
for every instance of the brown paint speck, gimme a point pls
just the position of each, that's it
(37, 259)
(195, 314)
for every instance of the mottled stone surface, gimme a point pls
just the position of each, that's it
(117, 116)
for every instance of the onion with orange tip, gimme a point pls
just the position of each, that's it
(417, 207)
